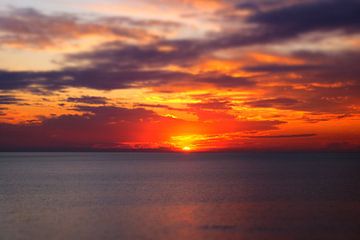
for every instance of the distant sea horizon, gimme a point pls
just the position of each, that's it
(159, 150)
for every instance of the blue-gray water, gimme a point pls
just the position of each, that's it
(179, 196)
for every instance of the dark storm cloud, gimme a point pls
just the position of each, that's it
(88, 100)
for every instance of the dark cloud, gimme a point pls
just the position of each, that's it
(316, 117)
(332, 67)
(16, 80)
(247, 6)
(225, 80)
(278, 68)
(278, 21)
(119, 55)
(115, 127)
(112, 66)
(144, 105)
(101, 79)
(327, 82)
(103, 126)
(318, 101)
(88, 100)
(2, 111)
(272, 102)
(107, 79)
(9, 99)
(121, 113)
(305, 17)
(286, 136)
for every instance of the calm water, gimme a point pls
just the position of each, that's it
(179, 196)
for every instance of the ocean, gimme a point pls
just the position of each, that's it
(275, 196)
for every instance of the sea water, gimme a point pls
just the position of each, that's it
(45, 196)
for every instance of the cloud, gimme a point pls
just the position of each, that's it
(315, 118)
(145, 105)
(303, 17)
(88, 100)
(272, 102)
(104, 126)
(107, 79)
(264, 25)
(332, 67)
(101, 79)
(224, 80)
(329, 82)
(280, 68)
(318, 102)
(113, 127)
(276, 21)
(9, 99)
(324, 82)
(119, 55)
(286, 136)
(212, 104)
(27, 27)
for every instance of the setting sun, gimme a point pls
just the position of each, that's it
(186, 148)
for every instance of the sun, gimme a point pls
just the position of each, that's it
(186, 148)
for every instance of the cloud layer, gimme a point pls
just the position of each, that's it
(240, 75)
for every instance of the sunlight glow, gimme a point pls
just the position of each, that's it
(186, 148)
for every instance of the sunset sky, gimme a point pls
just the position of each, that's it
(199, 75)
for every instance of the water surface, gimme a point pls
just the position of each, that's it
(179, 196)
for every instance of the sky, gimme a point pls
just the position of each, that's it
(180, 75)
